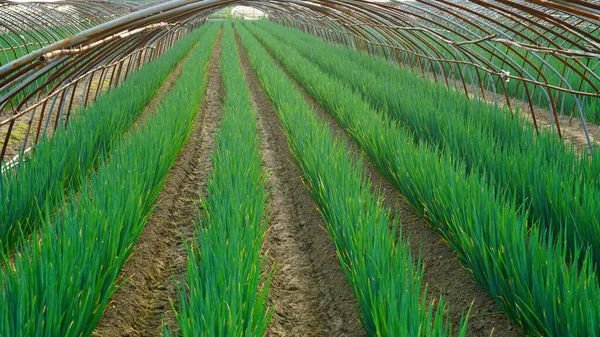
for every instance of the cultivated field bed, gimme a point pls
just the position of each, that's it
(257, 181)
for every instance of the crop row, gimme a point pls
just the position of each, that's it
(225, 290)
(559, 190)
(385, 278)
(61, 281)
(531, 276)
(63, 162)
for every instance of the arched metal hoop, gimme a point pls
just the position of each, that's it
(543, 53)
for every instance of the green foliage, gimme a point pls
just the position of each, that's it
(381, 271)
(529, 272)
(64, 161)
(592, 110)
(559, 189)
(60, 283)
(225, 291)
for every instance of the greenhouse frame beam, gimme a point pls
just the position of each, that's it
(549, 51)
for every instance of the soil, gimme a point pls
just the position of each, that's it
(159, 259)
(309, 292)
(571, 128)
(443, 274)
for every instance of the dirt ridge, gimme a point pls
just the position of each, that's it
(310, 292)
(159, 259)
(443, 272)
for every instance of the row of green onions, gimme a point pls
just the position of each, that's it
(514, 135)
(540, 172)
(385, 278)
(559, 190)
(61, 281)
(62, 163)
(532, 277)
(226, 286)
(518, 135)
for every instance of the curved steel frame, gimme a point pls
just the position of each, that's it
(25, 27)
(550, 48)
(481, 44)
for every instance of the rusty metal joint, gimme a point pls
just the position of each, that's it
(121, 35)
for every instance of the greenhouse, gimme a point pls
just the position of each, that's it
(299, 168)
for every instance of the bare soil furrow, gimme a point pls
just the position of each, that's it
(444, 274)
(310, 293)
(159, 260)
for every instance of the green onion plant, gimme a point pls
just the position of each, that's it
(543, 174)
(60, 282)
(226, 285)
(62, 163)
(385, 278)
(530, 273)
